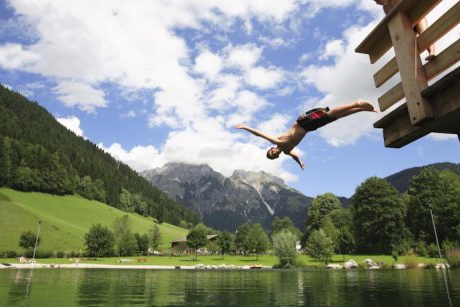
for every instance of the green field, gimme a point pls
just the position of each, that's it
(65, 220)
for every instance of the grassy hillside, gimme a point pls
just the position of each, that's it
(65, 220)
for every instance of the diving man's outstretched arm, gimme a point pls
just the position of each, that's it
(268, 137)
(297, 159)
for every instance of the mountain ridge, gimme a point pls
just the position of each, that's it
(226, 202)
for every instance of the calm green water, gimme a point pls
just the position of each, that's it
(85, 287)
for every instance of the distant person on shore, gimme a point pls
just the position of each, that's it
(309, 121)
(419, 28)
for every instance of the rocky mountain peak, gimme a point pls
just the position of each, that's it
(256, 177)
(227, 202)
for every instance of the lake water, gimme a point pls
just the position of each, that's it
(104, 287)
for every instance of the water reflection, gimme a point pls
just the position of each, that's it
(80, 287)
(19, 290)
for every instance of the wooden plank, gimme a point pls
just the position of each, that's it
(378, 42)
(380, 48)
(386, 72)
(440, 27)
(420, 9)
(394, 95)
(398, 130)
(446, 82)
(410, 68)
(443, 61)
(388, 119)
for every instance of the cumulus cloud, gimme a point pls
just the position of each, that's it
(140, 158)
(72, 123)
(208, 64)
(82, 95)
(244, 57)
(14, 56)
(442, 136)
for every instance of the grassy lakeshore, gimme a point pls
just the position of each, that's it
(265, 260)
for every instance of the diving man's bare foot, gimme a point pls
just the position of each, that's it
(366, 106)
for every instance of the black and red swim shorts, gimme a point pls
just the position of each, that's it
(315, 118)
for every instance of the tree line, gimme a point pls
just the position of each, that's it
(383, 221)
(380, 220)
(38, 154)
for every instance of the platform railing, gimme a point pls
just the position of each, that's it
(396, 31)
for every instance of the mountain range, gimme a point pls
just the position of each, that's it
(224, 203)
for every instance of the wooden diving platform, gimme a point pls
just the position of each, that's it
(434, 108)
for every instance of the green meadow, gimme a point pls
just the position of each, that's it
(65, 220)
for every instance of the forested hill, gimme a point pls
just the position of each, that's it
(37, 153)
(401, 180)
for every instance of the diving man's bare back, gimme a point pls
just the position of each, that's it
(286, 142)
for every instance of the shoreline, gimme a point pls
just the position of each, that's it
(122, 266)
(20, 266)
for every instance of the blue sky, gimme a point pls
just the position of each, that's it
(153, 82)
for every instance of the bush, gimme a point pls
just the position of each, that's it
(60, 254)
(74, 254)
(449, 245)
(453, 257)
(432, 250)
(421, 248)
(38, 254)
(411, 261)
(284, 244)
(404, 247)
(9, 254)
(394, 254)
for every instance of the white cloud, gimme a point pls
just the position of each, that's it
(314, 6)
(209, 64)
(264, 78)
(443, 136)
(222, 96)
(72, 123)
(82, 95)
(140, 158)
(14, 56)
(333, 49)
(249, 102)
(244, 57)
(130, 114)
(275, 125)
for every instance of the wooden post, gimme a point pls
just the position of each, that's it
(410, 67)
